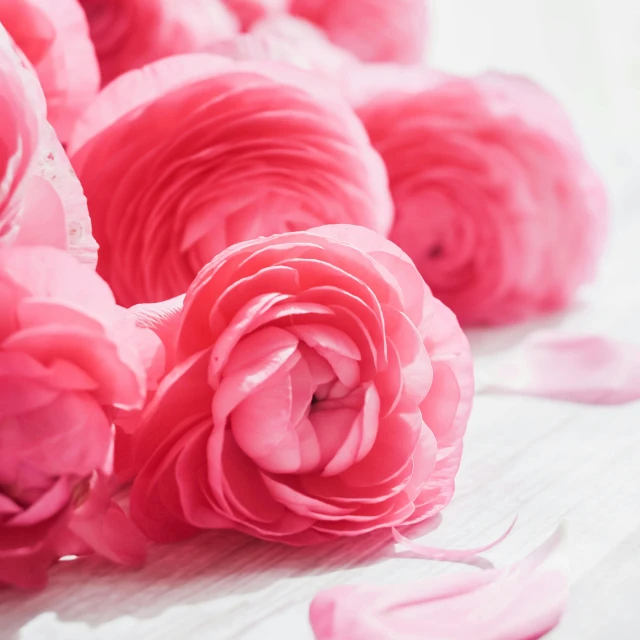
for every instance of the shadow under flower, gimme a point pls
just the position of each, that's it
(212, 566)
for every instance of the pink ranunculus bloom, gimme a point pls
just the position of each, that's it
(69, 357)
(41, 199)
(495, 201)
(374, 30)
(315, 50)
(54, 36)
(293, 41)
(318, 390)
(250, 11)
(194, 153)
(129, 34)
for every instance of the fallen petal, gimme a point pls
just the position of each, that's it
(586, 369)
(448, 555)
(521, 603)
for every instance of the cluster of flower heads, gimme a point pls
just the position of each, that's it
(293, 216)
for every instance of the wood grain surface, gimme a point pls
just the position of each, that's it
(546, 461)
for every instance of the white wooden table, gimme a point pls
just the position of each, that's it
(544, 460)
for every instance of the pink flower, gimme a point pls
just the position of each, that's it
(374, 30)
(194, 153)
(495, 201)
(296, 42)
(128, 34)
(41, 199)
(250, 11)
(54, 36)
(319, 390)
(68, 358)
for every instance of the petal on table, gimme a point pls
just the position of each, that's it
(521, 603)
(586, 369)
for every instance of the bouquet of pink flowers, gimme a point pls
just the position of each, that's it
(232, 279)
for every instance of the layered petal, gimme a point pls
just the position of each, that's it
(41, 199)
(294, 41)
(523, 602)
(250, 11)
(374, 30)
(54, 36)
(128, 34)
(302, 363)
(69, 356)
(495, 201)
(165, 153)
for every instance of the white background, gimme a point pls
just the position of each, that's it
(586, 52)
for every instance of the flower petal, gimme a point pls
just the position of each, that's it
(521, 603)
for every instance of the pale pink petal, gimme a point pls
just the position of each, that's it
(68, 358)
(293, 41)
(449, 555)
(262, 355)
(71, 435)
(52, 165)
(586, 369)
(120, 385)
(22, 111)
(42, 514)
(162, 318)
(262, 421)
(521, 603)
(55, 38)
(34, 154)
(299, 502)
(43, 221)
(128, 34)
(375, 30)
(103, 526)
(46, 272)
(496, 202)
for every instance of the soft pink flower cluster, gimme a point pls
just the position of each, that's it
(248, 350)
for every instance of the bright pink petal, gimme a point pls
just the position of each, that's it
(140, 87)
(103, 526)
(294, 138)
(28, 571)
